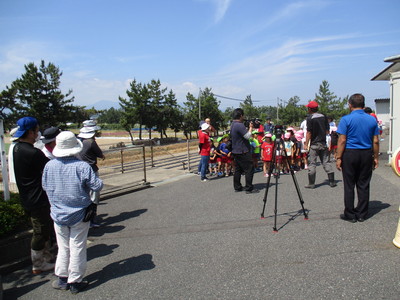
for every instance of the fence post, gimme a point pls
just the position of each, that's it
(4, 164)
(122, 160)
(188, 155)
(152, 153)
(144, 164)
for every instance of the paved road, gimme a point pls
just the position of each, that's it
(199, 240)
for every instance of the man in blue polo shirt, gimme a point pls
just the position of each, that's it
(357, 156)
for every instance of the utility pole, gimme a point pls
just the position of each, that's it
(199, 104)
(277, 110)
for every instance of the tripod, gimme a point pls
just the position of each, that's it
(280, 146)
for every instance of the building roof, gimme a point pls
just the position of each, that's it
(382, 100)
(395, 58)
(394, 67)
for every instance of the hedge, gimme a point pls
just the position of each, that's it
(12, 216)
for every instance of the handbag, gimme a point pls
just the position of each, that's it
(90, 212)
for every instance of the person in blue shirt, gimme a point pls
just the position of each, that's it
(68, 182)
(356, 156)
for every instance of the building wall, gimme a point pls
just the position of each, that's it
(382, 110)
(394, 142)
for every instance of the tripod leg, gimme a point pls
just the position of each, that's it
(296, 184)
(276, 203)
(270, 170)
(265, 197)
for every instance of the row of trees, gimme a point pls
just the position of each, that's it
(146, 105)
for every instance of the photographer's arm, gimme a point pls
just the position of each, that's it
(248, 135)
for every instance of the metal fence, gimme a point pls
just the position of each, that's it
(140, 165)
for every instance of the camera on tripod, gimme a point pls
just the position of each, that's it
(278, 131)
(256, 123)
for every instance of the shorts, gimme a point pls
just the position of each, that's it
(278, 159)
(334, 147)
(219, 159)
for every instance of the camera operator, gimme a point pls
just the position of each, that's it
(241, 151)
(317, 129)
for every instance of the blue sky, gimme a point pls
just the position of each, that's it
(265, 48)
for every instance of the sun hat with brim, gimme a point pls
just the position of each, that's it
(205, 126)
(91, 123)
(25, 124)
(219, 139)
(87, 132)
(50, 134)
(268, 135)
(67, 145)
(287, 135)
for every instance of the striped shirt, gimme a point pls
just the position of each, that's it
(67, 182)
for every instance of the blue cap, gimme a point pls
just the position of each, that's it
(25, 124)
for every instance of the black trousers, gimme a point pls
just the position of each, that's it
(243, 165)
(357, 172)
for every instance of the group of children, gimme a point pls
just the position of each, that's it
(264, 146)
(289, 151)
(221, 158)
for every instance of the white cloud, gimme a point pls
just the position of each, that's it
(222, 7)
(295, 8)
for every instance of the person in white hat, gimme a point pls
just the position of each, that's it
(90, 152)
(204, 150)
(67, 181)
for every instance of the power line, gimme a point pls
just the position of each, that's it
(241, 100)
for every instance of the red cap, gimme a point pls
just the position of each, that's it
(312, 104)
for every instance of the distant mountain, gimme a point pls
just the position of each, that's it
(104, 104)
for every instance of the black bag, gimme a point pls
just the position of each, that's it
(90, 212)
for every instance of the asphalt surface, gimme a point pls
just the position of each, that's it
(188, 239)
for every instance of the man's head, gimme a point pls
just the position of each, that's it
(49, 136)
(368, 110)
(238, 114)
(268, 120)
(357, 101)
(28, 130)
(208, 121)
(312, 106)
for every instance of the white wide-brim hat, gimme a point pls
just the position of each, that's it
(67, 145)
(91, 123)
(87, 132)
(205, 126)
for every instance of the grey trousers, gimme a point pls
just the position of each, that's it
(319, 150)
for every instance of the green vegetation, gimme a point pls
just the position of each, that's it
(12, 216)
(146, 106)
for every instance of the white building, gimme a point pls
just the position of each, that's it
(392, 74)
(382, 110)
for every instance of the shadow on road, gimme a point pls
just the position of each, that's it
(375, 207)
(121, 268)
(100, 250)
(17, 292)
(106, 222)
